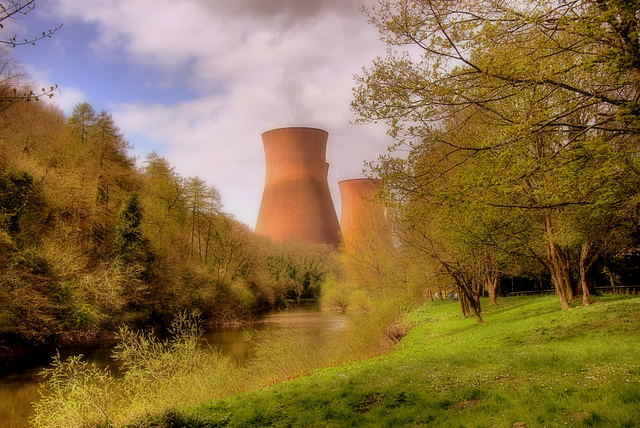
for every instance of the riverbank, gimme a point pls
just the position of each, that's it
(17, 351)
(530, 362)
(235, 343)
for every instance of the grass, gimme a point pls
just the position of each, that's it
(530, 362)
(158, 375)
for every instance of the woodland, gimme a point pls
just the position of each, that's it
(516, 130)
(515, 161)
(91, 238)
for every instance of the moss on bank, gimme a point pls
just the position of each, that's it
(530, 362)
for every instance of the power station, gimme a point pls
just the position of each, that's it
(362, 217)
(296, 202)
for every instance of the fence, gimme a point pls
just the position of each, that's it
(618, 289)
(622, 289)
(531, 292)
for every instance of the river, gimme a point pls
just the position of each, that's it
(19, 388)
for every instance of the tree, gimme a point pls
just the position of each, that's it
(12, 87)
(17, 191)
(164, 200)
(82, 119)
(369, 256)
(587, 51)
(541, 95)
(15, 85)
(228, 247)
(110, 145)
(202, 203)
(296, 270)
(129, 240)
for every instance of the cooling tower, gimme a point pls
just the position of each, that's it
(296, 203)
(362, 217)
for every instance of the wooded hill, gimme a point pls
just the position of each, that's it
(91, 238)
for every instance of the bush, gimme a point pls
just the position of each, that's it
(157, 375)
(75, 394)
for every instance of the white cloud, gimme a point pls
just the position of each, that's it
(65, 98)
(257, 66)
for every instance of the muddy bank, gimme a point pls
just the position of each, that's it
(17, 352)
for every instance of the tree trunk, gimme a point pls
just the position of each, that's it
(570, 284)
(557, 264)
(610, 274)
(585, 267)
(470, 297)
(464, 303)
(474, 301)
(557, 275)
(492, 283)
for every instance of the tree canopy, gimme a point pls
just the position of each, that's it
(519, 121)
(90, 239)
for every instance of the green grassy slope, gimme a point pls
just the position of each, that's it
(530, 362)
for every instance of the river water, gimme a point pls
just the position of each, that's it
(19, 389)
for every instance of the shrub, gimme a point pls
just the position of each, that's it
(75, 394)
(157, 375)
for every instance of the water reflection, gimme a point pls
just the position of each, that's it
(20, 388)
(239, 342)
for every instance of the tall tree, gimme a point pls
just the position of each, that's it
(228, 247)
(82, 119)
(164, 199)
(202, 203)
(129, 240)
(542, 94)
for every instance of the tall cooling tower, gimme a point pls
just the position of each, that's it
(362, 217)
(296, 203)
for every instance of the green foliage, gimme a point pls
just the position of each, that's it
(296, 270)
(81, 317)
(450, 371)
(77, 394)
(126, 244)
(273, 360)
(508, 152)
(375, 330)
(15, 189)
(343, 295)
(373, 273)
(157, 375)
(166, 374)
(129, 241)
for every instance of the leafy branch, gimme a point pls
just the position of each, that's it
(17, 9)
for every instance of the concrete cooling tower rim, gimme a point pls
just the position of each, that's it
(284, 128)
(372, 180)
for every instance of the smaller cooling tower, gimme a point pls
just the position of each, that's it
(296, 203)
(362, 216)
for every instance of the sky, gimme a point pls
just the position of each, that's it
(199, 81)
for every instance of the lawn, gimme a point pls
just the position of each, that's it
(530, 363)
